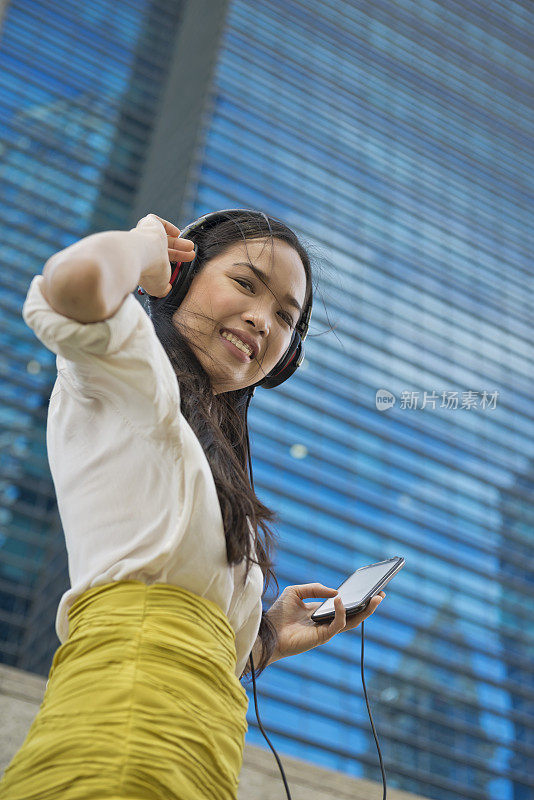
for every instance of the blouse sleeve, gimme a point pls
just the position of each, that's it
(119, 360)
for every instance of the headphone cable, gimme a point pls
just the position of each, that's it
(263, 731)
(384, 795)
(372, 724)
(249, 398)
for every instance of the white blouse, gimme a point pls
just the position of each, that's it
(134, 488)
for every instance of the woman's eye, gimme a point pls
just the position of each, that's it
(285, 316)
(240, 280)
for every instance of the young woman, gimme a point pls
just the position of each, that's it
(148, 443)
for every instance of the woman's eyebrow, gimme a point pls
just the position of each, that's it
(263, 277)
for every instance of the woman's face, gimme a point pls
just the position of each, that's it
(226, 295)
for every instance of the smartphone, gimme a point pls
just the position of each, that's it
(356, 592)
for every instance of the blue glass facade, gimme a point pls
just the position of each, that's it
(395, 137)
(79, 87)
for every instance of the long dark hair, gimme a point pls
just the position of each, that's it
(220, 421)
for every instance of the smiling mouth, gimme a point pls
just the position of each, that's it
(248, 356)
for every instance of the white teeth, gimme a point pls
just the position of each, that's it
(238, 343)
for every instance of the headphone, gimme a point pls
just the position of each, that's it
(181, 279)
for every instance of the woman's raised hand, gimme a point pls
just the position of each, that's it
(155, 278)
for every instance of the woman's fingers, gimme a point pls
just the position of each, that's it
(179, 249)
(181, 255)
(181, 245)
(340, 620)
(373, 604)
(172, 230)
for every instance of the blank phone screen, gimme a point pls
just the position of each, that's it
(356, 587)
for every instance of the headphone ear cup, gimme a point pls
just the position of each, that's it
(182, 281)
(286, 366)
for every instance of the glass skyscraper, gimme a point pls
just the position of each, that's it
(395, 137)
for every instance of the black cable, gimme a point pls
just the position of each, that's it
(262, 730)
(372, 725)
(384, 795)
(249, 398)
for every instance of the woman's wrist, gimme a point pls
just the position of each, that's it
(257, 652)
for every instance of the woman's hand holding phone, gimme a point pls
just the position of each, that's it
(155, 278)
(297, 632)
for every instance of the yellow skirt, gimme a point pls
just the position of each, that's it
(142, 701)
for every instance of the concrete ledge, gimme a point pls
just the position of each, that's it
(21, 685)
(261, 779)
(21, 694)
